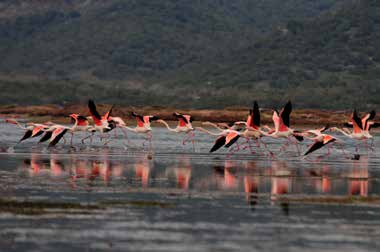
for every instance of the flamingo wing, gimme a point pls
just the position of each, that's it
(256, 115)
(27, 134)
(231, 138)
(348, 125)
(139, 119)
(298, 136)
(356, 122)
(276, 120)
(82, 121)
(317, 145)
(328, 139)
(185, 118)
(324, 128)
(153, 118)
(219, 142)
(369, 116)
(46, 136)
(250, 120)
(108, 114)
(373, 125)
(37, 131)
(56, 136)
(189, 118)
(94, 113)
(314, 147)
(285, 114)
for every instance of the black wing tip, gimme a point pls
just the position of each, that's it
(82, 117)
(154, 118)
(372, 115)
(299, 138)
(326, 127)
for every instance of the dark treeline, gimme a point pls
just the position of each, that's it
(197, 54)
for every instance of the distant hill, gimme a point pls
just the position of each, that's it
(210, 53)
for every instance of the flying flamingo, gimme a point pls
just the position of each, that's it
(226, 140)
(184, 126)
(101, 123)
(253, 129)
(360, 127)
(55, 133)
(320, 139)
(282, 126)
(366, 124)
(143, 125)
(31, 129)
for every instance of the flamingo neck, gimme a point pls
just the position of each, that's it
(213, 125)
(167, 126)
(130, 129)
(343, 132)
(207, 131)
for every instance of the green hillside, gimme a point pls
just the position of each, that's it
(210, 53)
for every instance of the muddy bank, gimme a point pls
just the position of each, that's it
(57, 113)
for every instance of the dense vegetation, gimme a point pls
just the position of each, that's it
(210, 53)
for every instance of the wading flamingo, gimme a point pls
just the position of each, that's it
(360, 127)
(143, 125)
(282, 127)
(253, 129)
(31, 129)
(184, 126)
(103, 124)
(320, 140)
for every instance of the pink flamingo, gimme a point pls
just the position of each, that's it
(360, 127)
(320, 140)
(31, 129)
(282, 126)
(101, 123)
(143, 125)
(184, 126)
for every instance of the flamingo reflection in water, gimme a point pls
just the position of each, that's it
(182, 172)
(251, 184)
(281, 183)
(358, 177)
(142, 171)
(226, 178)
(323, 184)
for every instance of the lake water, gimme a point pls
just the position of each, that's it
(174, 198)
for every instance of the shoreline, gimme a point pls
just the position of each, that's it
(299, 117)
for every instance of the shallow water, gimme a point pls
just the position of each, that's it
(173, 198)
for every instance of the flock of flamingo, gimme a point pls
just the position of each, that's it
(227, 134)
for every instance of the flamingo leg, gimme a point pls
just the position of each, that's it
(189, 137)
(125, 134)
(232, 151)
(108, 139)
(249, 146)
(285, 146)
(342, 149)
(82, 140)
(372, 143)
(294, 142)
(148, 139)
(71, 140)
(266, 147)
(369, 146)
(193, 140)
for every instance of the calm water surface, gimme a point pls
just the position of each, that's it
(177, 199)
